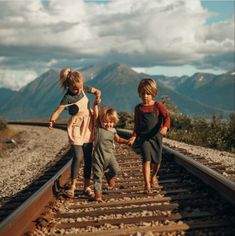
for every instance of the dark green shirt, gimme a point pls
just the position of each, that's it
(70, 98)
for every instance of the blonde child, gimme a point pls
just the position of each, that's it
(104, 161)
(151, 122)
(80, 125)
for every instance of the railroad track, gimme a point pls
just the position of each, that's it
(182, 204)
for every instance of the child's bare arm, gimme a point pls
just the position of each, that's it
(55, 115)
(96, 111)
(97, 93)
(118, 139)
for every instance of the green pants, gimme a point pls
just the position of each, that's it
(107, 166)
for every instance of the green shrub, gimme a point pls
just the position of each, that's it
(126, 120)
(215, 133)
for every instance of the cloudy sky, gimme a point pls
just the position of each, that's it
(171, 37)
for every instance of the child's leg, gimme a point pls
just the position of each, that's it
(77, 157)
(155, 170)
(97, 178)
(87, 150)
(146, 172)
(146, 158)
(113, 171)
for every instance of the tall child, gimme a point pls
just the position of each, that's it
(80, 125)
(104, 161)
(151, 122)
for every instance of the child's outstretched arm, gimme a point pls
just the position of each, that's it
(55, 115)
(118, 139)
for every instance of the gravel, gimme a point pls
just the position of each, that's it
(226, 159)
(36, 149)
(28, 156)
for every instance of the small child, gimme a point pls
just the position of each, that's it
(151, 122)
(80, 125)
(104, 161)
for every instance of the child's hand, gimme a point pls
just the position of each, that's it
(131, 141)
(163, 131)
(50, 125)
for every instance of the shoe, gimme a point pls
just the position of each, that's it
(111, 182)
(98, 197)
(88, 192)
(70, 192)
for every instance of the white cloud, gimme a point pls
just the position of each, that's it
(140, 33)
(14, 79)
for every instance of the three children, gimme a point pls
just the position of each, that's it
(95, 133)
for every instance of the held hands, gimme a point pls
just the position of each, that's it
(50, 124)
(163, 131)
(131, 141)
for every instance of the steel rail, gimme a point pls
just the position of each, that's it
(21, 220)
(225, 187)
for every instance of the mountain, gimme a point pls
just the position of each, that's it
(118, 84)
(213, 90)
(5, 94)
(36, 100)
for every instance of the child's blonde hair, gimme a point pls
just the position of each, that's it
(107, 112)
(69, 77)
(148, 85)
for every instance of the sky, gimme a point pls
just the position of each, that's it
(167, 37)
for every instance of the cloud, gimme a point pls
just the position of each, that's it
(35, 35)
(14, 79)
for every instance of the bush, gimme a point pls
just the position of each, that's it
(126, 120)
(3, 123)
(215, 133)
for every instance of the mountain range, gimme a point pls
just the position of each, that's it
(201, 94)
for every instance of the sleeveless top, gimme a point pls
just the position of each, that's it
(80, 125)
(104, 145)
(149, 134)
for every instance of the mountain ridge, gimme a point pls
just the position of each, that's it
(118, 84)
